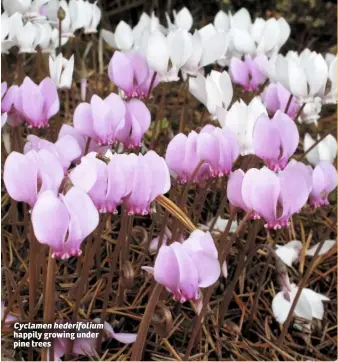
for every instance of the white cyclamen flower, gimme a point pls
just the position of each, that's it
(291, 251)
(241, 119)
(215, 91)
(309, 305)
(61, 71)
(325, 150)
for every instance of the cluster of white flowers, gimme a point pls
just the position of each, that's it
(32, 23)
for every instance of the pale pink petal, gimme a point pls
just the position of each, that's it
(175, 154)
(51, 98)
(20, 176)
(83, 119)
(121, 72)
(166, 269)
(50, 220)
(239, 72)
(234, 189)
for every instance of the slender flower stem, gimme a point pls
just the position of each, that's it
(49, 302)
(288, 104)
(221, 206)
(112, 268)
(87, 145)
(299, 291)
(209, 291)
(60, 35)
(90, 252)
(183, 113)
(299, 112)
(229, 290)
(151, 87)
(183, 199)
(138, 347)
(198, 323)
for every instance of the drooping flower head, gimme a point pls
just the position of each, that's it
(325, 150)
(324, 181)
(110, 120)
(131, 73)
(182, 159)
(275, 97)
(105, 184)
(219, 147)
(27, 176)
(37, 103)
(147, 176)
(181, 268)
(274, 197)
(246, 73)
(64, 222)
(275, 140)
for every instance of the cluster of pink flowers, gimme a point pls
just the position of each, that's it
(217, 148)
(31, 103)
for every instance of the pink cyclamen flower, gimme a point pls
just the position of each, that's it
(110, 120)
(54, 217)
(100, 119)
(219, 147)
(65, 149)
(105, 184)
(274, 197)
(37, 103)
(68, 130)
(147, 177)
(182, 159)
(8, 106)
(136, 123)
(181, 268)
(275, 97)
(324, 180)
(27, 176)
(275, 140)
(131, 73)
(246, 73)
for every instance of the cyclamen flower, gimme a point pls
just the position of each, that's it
(182, 159)
(270, 196)
(215, 91)
(275, 97)
(182, 20)
(8, 106)
(219, 147)
(132, 74)
(181, 268)
(61, 71)
(309, 305)
(330, 92)
(291, 251)
(324, 181)
(37, 103)
(65, 149)
(110, 120)
(241, 119)
(275, 140)
(325, 150)
(55, 217)
(246, 73)
(147, 176)
(105, 184)
(27, 176)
